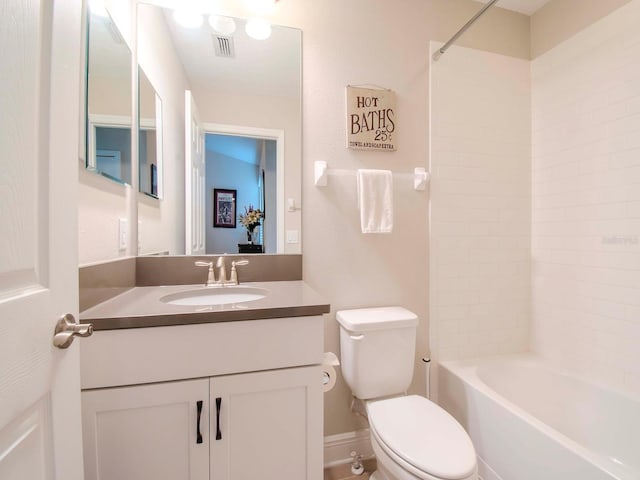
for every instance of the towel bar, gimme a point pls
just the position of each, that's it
(321, 171)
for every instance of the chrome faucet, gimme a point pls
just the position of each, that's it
(222, 272)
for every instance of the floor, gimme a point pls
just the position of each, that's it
(343, 472)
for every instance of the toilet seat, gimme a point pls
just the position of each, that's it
(422, 437)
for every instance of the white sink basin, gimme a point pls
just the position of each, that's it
(215, 296)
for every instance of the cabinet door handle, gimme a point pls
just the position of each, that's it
(218, 405)
(198, 434)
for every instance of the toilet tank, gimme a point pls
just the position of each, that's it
(377, 346)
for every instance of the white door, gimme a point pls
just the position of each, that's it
(194, 179)
(40, 431)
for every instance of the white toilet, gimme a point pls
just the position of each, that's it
(412, 437)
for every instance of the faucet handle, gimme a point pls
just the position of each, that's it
(233, 280)
(210, 276)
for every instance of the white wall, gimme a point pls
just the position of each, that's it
(586, 201)
(480, 204)
(110, 95)
(101, 203)
(559, 20)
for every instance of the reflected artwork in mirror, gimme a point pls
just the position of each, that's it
(108, 100)
(149, 137)
(242, 88)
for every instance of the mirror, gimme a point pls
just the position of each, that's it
(108, 99)
(149, 137)
(246, 90)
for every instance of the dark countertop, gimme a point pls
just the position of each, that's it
(141, 307)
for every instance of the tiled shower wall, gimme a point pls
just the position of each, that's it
(586, 201)
(480, 210)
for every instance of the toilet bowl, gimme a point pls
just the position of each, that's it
(412, 437)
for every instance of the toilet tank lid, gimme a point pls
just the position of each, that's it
(378, 318)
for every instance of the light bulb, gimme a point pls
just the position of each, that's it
(260, 7)
(97, 8)
(258, 28)
(223, 25)
(187, 18)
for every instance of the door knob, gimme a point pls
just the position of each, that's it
(67, 329)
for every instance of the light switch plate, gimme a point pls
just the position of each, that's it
(123, 233)
(292, 236)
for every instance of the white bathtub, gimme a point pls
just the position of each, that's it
(529, 421)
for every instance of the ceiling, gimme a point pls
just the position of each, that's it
(270, 67)
(245, 149)
(260, 67)
(528, 7)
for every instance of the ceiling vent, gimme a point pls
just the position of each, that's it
(223, 46)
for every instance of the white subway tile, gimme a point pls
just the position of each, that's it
(480, 202)
(585, 204)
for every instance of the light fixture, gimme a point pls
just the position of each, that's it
(96, 7)
(258, 29)
(187, 18)
(223, 25)
(261, 7)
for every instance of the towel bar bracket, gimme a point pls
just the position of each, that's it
(320, 173)
(420, 178)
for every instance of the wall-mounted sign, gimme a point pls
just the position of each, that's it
(371, 119)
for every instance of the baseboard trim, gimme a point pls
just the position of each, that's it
(338, 448)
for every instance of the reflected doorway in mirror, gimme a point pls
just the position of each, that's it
(250, 160)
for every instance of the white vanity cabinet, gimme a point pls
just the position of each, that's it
(259, 384)
(146, 432)
(267, 425)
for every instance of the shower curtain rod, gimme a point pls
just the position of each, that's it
(444, 47)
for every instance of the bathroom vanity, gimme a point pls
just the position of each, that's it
(229, 391)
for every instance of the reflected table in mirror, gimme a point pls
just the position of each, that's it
(249, 248)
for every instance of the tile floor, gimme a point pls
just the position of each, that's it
(343, 472)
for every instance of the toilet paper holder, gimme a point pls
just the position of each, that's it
(329, 362)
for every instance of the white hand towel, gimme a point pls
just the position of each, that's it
(375, 200)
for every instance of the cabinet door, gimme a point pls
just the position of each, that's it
(267, 425)
(147, 432)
